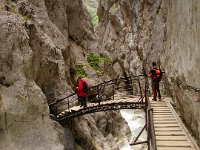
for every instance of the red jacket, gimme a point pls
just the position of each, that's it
(80, 88)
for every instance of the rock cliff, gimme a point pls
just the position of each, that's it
(130, 31)
(136, 33)
(181, 59)
(42, 43)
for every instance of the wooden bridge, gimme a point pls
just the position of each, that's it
(164, 127)
(170, 132)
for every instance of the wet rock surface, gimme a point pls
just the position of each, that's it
(43, 41)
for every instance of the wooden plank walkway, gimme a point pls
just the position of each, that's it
(171, 134)
(125, 99)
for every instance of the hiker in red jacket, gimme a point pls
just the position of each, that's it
(82, 88)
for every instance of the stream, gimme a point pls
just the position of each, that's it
(136, 121)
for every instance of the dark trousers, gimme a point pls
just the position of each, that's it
(82, 101)
(156, 89)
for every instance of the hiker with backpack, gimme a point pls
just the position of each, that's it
(156, 75)
(82, 89)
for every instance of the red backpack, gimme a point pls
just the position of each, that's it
(158, 75)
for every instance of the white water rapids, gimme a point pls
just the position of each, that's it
(136, 121)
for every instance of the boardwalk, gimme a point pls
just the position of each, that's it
(170, 132)
(127, 102)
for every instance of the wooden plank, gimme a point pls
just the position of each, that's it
(165, 111)
(173, 143)
(161, 116)
(162, 110)
(170, 133)
(169, 129)
(164, 121)
(171, 138)
(174, 148)
(162, 113)
(166, 125)
(157, 105)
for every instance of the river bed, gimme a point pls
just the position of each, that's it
(136, 121)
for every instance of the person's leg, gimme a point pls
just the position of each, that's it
(154, 91)
(84, 102)
(158, 91)
(80, 100)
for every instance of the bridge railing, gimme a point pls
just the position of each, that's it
(105, 90)
(185, 85)
(149, 120)
(149, 126)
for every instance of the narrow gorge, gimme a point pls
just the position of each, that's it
(46, 44)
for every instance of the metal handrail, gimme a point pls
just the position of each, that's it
(151, 140)
(149, 119)
(59, 100)
(111, 82)
(185, 85)
(149, 111)
(151, 131)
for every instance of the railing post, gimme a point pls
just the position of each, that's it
(68, 104)
(149, 131)
(153, 140)
(113, 91)
(148, 128)
(98, 95)
(140, 87)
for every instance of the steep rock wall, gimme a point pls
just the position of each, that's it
(41, 43)
(25, 122)
(130, 31)
(135, 33)
(181, 58)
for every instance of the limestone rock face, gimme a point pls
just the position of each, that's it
(182, 57)
(129, 32)
(102, 130)
(24, 115)
(43, 41)
(41, 44)
(135, 33)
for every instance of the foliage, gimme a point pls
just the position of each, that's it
(95, 21)
(13, 7)
(94, 60)
(115, 5)
(25, 18)
(80, 71)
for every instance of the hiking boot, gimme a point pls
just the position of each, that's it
(154, 99)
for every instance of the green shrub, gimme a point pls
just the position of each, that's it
(25, 18)
(95, 20)
(13, 7)
(94, 60)
(80, 71)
